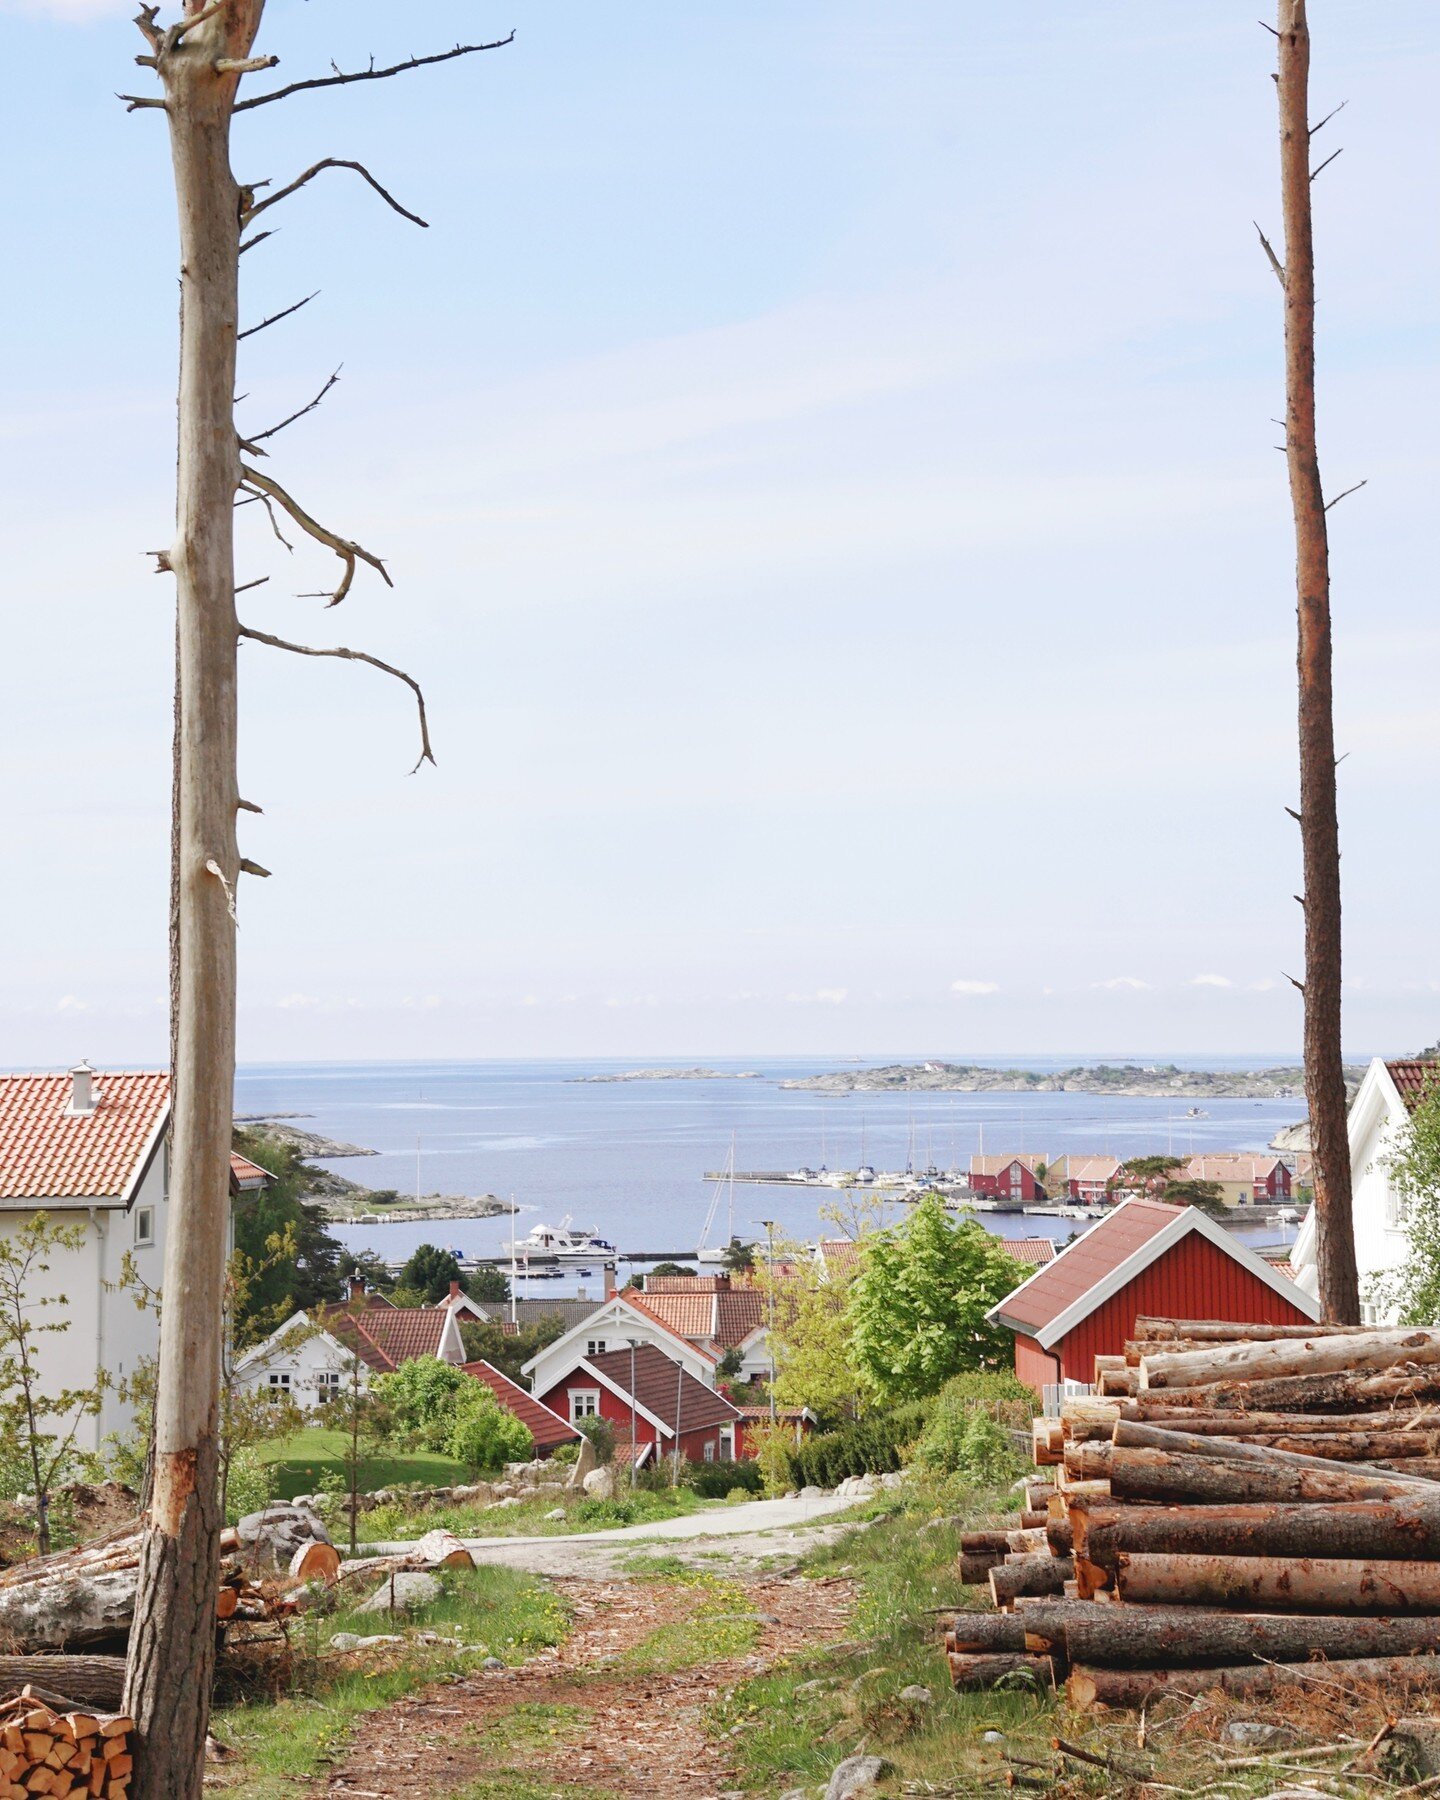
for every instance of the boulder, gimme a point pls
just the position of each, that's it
(404, 1591)
(350, 1640)
(857, 1775)
(585, 1461)
(917, 1694)
(270, 1538)
(812, 1493)
(599, 1484)
(555, 1512)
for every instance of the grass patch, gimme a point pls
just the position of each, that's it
(492, 1610)
(534, 1725)
(298, 1464)
(803, 1716)
(719, 1622)
(528, 1519)
(515, 1784)
(656, 1566)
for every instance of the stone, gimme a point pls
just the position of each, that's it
(857, 1775)
(599, 1484)
(992, 1737)
(822, 1684)
(403, 1591)
(917, 1694)
(796, 1794)
(350, 1640)
(1253, 1734)
(492, 1662)
(500, 1505)
(1419, 1741)
(812, 1493)
(585, 1461)
(556, 1512)
(270, 1538)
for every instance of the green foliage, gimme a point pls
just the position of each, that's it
(917, 1306)
(811, 1337)
(1413, 1289)
(1209, 1196)
(729, 1365)
(509, 1353)
(601, 1434)
(248, 1487)
(717, 1480)
(963, 1437)
(40, 1425)
(430, 1271)
(738, 1257)
(312, 1458)
(875, 1445)
(488, 1283)
(487, 1437)
(671, 1268)
(771, 1448)
(286, 1261)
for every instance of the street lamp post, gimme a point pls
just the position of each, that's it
(634, 1346)
(769, 1225)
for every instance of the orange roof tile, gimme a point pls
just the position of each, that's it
(737, 1314)
(547, 1428)
(1029, 1250)
(47, 1153)
(386, 1336)
(688, 1315)
(995, 1165)
(1229, 1165)
(1414, 1077)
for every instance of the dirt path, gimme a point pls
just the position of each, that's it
(572, 1722)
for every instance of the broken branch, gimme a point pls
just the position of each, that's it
(1327, 162)
(1275, 262)
(335, 162)
(260, 437)
(343, 547)
(1350, 490)
(264, 637)
(371, 74)
(264, 500)
(275, 318)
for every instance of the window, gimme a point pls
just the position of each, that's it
(144, 1224)
(727, 1443)
(709, 1449)
(280, 1380)
(595, 1347)
(328, 1381)
(584, 1404)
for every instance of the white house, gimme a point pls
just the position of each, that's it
(313, 1359)
(610, 1327)
(1387, 1095)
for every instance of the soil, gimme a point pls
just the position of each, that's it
(632, 1735)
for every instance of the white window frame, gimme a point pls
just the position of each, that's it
(584, 1404)
(144, 1226)
(596, 1346)
(329, 1381)
(708, 1450)
(727, 1443)
(280, 1381)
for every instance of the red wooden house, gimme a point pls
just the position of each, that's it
(666, 1402)
(548, 1430)
(1144, 1257)
(1012, 1178)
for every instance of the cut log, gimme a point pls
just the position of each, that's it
(1036, 1624)
(1030, 1575)
(985, 1634)
(1119, 1381)
(1087, 1462)
(1278, 1583)
(982, 1543)
(315, 1562)
(1311, 1393)
(1029, 1521)
(1089, 1686)
(974, 1571)
(61, 1611)
(91, 1680)
(1038, 1495)
(1132, 1435)
(1059, 1537)
(1162, 1475)
(1169, 1637)
(969, 1673)
(1029, 1542)
(1423, 1419)
(1406, 1528)
(1224, 1331)
(1047, 1441)
(1321, 1354)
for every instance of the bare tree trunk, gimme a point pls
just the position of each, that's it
(1339, 1287)
(173, 1639)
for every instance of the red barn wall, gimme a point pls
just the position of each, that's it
(1034, 1365)
(1194, 1279)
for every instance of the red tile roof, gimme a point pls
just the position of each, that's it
(841, 1256)
(1029, 1250)
(685, 1284)
(637, 1300)
(689, 1315)
(547, 1428)
(247, 1174)
(1414, 1078)
(46, 1153)
(383, 1337)
(997, 1165)
(1228, 1165)
(661, 1384)
(737, 1314)
(1086, 1262)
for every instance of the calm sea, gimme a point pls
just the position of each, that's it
(628, 1159)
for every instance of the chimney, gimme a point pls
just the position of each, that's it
(454, 1290)
(722, 1283)
(582, 1293)
(357, 1286)
(82, 1091)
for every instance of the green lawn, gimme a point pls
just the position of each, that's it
(300, 1461)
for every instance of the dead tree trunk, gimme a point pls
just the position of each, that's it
(172, 1642)
(1339, 1287)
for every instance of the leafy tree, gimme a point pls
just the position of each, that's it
(917, 1306)
(671, 1268)
(728, 1366)
(811, 1337)
(601, 1434)
(430, 1271)
(423, 1396)
(293, 1264)
(1148, 1173)
(1412, 1291)
(38, 1428)
(738, 1257)
(486, 1436)
(1209, 1196)
(488, 1283)
(509, 1351)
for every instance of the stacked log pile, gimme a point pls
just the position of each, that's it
(45, 1750)
(1232, 1503)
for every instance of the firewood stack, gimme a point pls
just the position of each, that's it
(1233, 1502)
(45, 1751)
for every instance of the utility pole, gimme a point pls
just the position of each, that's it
(634, 1346)
(769, 1225)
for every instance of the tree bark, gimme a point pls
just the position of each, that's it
(96, 1681)
(969, 1673)
(1407, 1528)
(1089, 1687)
(1183, 1479)
(1279, 1583)
(61, 1612)
(1320, 1393)
(974, 1570)
(1030, 1575)
(1222, 1331)
(1350, 1354)
(1131, 1436)
(1125, 1637)
(1339, 1287)
(172, 1643)
(1089, 1427)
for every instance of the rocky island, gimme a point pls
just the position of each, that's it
(346, 1202)
(676, 1075)
(1161, 1081)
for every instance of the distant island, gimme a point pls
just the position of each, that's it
(1132, 1080)
(347, 1202)
(678, 1075)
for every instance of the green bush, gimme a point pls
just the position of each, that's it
(718, 1480)
(247, 1488)
(439, 1407)
(601, 1434)
(487, 1437)
(872, 1446)
(956, 1440)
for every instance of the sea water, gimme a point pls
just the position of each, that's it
(628, 1159)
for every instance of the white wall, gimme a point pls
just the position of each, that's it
(615, 1324)
(300, 1357)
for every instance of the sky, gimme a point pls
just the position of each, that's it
(826, 460)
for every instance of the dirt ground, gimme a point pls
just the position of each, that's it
(620, 1734)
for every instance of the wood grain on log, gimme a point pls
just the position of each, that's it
(1279, 1583)
(1133, 1435)
(1407, 1528)
(968, 1673)
(1090, 1686)
(1172, 1637)
(1346, 1353)
(1162, 1475)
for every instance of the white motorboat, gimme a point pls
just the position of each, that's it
(566, 1242)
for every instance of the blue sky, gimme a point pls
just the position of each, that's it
(825, 458)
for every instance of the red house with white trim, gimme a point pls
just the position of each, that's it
(1144, 1257)
(666, 1402)
(1013, 1178)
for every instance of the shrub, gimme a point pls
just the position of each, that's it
(485, 1436)
(876, 1445)
(986, 1454)
(564, 1454)
(953, 1443)
(718, 1480)
(601, 1434)
(247, 1489)
(439, 1407)
(773, 1449)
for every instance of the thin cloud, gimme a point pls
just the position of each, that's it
(974, 987)
(1133, 983)
(1217, 981)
